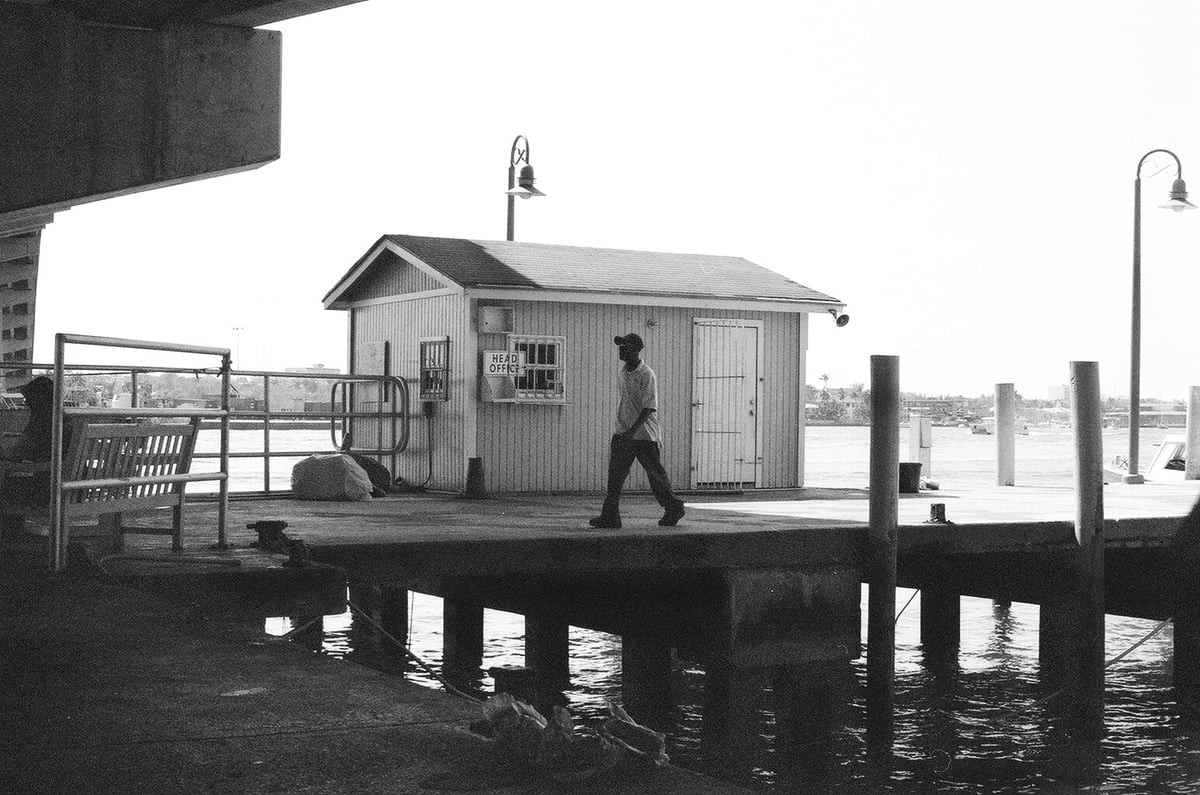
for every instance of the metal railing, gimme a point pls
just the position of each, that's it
(59, 488)
(387, 398)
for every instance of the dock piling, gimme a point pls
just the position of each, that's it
(462, 639)
(1191, 466)
(883, 516)
(646, 678)
(940, 622)
(1087, 421)
(547, 651)
(1006, 440)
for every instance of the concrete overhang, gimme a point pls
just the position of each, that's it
(155, 13)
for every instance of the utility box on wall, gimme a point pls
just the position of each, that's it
(495, 319)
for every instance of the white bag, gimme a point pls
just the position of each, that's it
(330, 477)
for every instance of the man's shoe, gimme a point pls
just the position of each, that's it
(671, 517)
(600, 521)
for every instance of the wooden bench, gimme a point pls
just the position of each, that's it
(111, 469)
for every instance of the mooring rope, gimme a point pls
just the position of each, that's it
(409, 652)
(1147, 637)
(906, 604)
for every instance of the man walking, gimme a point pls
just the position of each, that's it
(636, 436)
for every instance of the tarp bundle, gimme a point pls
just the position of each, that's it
(335, 476)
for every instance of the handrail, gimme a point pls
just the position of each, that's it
(399, 388)
(148, 345)
(398, 392)
(58, 540)
(98, 411)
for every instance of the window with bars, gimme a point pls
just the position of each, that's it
(435, 368)
(542, 378)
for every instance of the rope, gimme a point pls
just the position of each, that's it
(1107, 665)
(297, 630)
(1147, 637)
(449, 687)
(906, 604)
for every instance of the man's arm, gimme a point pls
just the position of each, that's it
(639, 422)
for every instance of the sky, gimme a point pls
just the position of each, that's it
(959, 174)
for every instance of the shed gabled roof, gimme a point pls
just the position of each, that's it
(490, 264)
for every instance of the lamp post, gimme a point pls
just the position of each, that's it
(237, 343)
(1178, 202)
(522, 187)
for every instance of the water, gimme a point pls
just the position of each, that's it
(983, 725)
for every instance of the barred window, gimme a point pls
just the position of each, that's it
(542, 378)
(435, 368)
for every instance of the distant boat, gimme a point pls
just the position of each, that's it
(987, 426)
(1167, 464)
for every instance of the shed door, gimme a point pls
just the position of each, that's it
(725, 403)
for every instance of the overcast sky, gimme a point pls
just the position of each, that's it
(959, 173)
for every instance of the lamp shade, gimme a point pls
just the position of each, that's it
(525, 188)
(1178, 200)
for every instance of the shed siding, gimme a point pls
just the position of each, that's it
(389, 276)
(403, 325)
(565, 447)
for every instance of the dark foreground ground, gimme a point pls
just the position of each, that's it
(108, 689)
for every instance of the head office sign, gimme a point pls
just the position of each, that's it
(500, 363)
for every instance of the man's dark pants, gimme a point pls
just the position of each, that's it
(621, 455)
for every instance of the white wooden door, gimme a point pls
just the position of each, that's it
(725, 403)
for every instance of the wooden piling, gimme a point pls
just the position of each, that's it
(1087, 415)
(1006, 440)
(883, 513)
(547, 651)
(1191, 466)
(393, 612)
(462, 639)
(646, 678)
(941, 615)
(1186, 648)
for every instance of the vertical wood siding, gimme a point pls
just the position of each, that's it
(402, 325)
(389, 275)
(565, 447)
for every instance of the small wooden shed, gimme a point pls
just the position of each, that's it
(509, 348)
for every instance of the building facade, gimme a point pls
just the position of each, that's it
(508, 352)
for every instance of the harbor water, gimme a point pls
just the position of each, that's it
(981, 725)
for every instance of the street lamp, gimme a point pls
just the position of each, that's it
(237, 342)
(523, 187)
(1178, 202)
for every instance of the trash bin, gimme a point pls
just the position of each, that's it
(910, 477)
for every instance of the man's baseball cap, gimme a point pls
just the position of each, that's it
(631, 339)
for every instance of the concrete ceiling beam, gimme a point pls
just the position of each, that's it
(94, 111)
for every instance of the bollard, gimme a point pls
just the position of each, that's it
(920, 441)
(475, 489)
